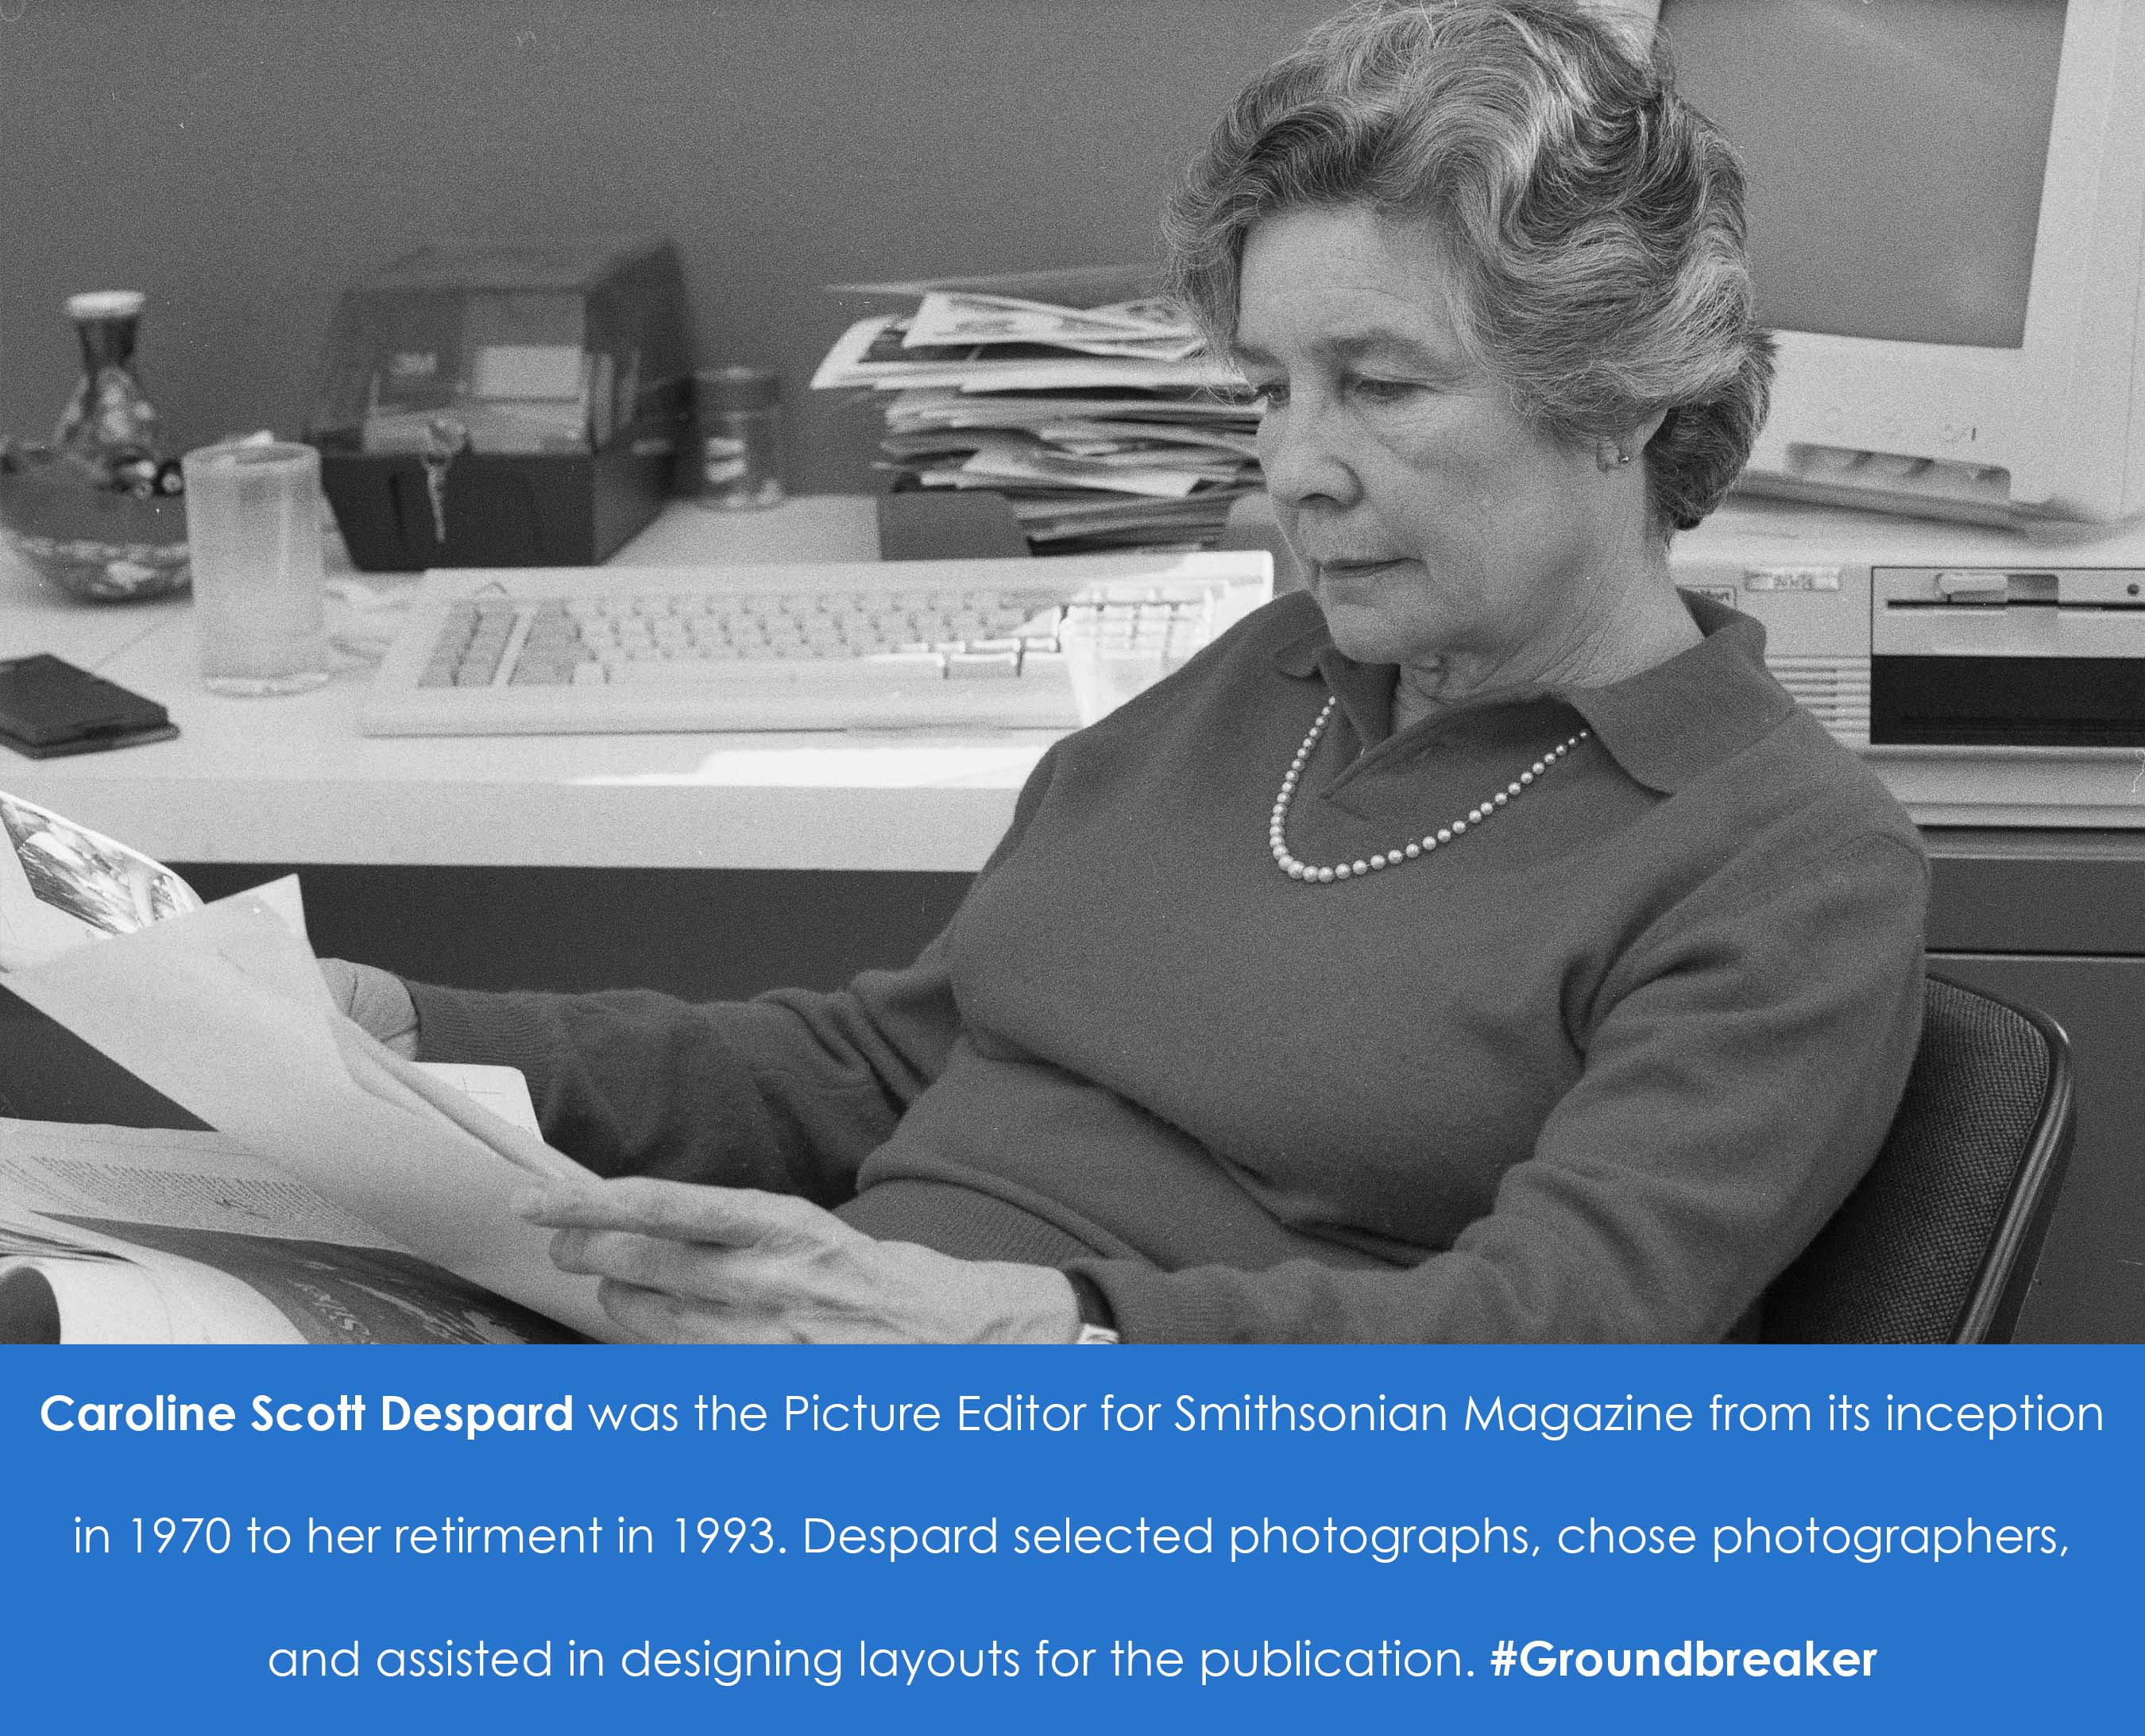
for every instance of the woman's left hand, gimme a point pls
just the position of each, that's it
(684, 1263)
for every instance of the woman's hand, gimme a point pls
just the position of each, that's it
(375, 1001)
(681, 1263)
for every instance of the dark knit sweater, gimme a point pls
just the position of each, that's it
(1597, 1070)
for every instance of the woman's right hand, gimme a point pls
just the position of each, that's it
(375, 1000)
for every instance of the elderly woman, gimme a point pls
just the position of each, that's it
(1481, 945)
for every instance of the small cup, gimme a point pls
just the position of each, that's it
(253, 523)
(739, 440)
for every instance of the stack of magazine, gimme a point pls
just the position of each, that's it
(1103, 426)
(196, 1147)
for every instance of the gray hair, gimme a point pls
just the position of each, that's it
(1593, 219)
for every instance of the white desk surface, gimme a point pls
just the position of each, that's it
(276, 780)
(291, 780)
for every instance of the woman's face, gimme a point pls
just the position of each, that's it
(1432, 520)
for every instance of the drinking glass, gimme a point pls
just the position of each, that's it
(253, 521)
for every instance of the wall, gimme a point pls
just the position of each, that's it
(243, 160)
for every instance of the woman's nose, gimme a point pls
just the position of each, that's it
(1300, 454)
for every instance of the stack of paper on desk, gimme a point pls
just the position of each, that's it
(1104, 426)
(284, 1178)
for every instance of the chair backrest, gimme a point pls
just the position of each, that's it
(1938, 1243)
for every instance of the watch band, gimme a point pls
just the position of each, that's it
(1097, 1323)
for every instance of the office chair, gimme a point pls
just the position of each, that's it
(1938, 1243)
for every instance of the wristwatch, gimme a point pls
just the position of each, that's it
(1097, 1325)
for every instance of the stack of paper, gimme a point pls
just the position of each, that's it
(1104, 427)
(195, 1146)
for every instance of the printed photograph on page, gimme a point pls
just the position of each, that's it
(947, 318)
(61, 885)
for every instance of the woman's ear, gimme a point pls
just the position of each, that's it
(1617, 452)
(1633, 438)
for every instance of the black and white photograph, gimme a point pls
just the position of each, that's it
(1444, 680)
(103, 888)
(1405, 673)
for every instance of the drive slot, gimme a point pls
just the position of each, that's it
(2027, 702)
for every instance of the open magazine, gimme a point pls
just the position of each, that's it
(196, 1147)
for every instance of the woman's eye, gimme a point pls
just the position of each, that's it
(1384, 390)
(1267, 393)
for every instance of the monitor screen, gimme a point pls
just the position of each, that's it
(1894, 151)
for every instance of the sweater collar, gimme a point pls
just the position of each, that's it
(1665, 726)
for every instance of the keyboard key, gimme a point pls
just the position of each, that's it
(655, 672)
(912, 662)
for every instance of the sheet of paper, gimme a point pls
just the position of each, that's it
(951, 406)
(61, 885)
(70, 1283)
(1242, 446)
(502, 1090)
(1007, 465)
(156, 1176)
(850, 363)
(224, 1012)
(967, 316)
(950, 319)
(78, 1279)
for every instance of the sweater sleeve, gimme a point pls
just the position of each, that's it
(789, 1092)
(1741, 1069)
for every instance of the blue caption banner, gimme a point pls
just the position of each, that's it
(1106, 1539)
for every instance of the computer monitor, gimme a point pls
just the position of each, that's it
(1945, 202)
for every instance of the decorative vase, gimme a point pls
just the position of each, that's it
(97, 512)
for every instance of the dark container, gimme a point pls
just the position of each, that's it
(504, 404)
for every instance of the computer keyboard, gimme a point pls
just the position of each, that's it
(909, 644)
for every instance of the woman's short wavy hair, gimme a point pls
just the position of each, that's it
(1593, 219)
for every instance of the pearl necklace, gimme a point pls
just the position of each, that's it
(1296, 869)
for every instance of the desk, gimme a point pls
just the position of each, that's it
(290, 780)
(721, 865)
